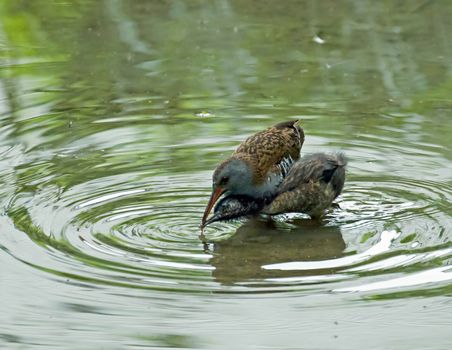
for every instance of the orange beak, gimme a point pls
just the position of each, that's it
(213, 199)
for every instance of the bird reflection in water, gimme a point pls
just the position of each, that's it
(262, 242)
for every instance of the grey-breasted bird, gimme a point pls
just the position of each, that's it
(258, 166)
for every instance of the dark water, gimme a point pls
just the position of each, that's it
(113, 116)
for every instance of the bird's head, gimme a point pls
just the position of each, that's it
(233, 177)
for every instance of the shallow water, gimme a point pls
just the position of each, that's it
(113, 116)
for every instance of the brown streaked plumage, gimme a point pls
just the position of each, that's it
(258, 165)
(266, 151)
(310, 187)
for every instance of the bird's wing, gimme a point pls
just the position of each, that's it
(273, 150)
(305, 198)
(317, 167)
(312, 184)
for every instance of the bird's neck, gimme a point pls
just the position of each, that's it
(267, 189)
(253, 183)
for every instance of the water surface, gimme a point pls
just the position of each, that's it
(114, 115)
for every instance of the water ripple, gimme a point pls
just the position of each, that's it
(130, 221)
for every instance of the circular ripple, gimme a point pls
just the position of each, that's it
(141, 238)
(140, 229)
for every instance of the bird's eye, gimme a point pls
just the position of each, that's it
(224, 180)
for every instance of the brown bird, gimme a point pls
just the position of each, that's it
(310, 187)
(258, 165)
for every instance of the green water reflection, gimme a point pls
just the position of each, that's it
(113, 115)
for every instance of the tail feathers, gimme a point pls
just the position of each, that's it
(336, 161)
(286, 124)
(341, 159)
(338, 177)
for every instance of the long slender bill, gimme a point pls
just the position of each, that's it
(213, 199)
